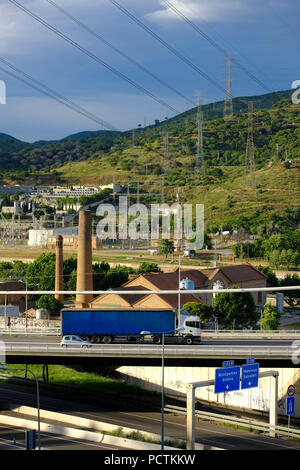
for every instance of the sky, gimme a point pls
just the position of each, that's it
(260, 35)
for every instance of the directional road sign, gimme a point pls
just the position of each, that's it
(249, 375)
(290, 405)
(227, 379)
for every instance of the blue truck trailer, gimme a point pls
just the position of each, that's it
(106, 325)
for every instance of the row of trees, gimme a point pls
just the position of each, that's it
(234, 311)
(40, 275)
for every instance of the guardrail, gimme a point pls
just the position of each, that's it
(40, 331)
(156, 350)
(206, 334)
(252, 334)
(242, 422)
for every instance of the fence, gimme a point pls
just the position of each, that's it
(238, 422)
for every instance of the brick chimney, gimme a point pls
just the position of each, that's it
(84, 259)
(59, 272)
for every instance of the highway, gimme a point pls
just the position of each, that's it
(122, 414)
(13, 438)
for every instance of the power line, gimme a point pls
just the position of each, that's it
(216, 45)
(35, 84)
(167, 45)
(93, 56)
(125, 56)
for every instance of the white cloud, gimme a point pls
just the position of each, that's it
(19, 33)
(210, 10)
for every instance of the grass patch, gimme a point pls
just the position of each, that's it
(81, 380)
(137, 436)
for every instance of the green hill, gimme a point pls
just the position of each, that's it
(99, 156)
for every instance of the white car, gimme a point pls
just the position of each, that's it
(74, 340)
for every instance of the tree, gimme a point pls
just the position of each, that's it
(237, 250)
(205, 312)
(235, 310)
(207, 242)
(272, 280)
(275, 259)
(41, 273)
(165, 247)
(270, 318)
(288, 258)
(148, 268)
(50, 303)
(291, 297)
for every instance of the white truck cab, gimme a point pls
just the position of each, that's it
(188, 332)
(190, 326)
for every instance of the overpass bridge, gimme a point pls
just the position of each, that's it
(270, 354)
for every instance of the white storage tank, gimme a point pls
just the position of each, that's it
(40, 314)
(187, 284)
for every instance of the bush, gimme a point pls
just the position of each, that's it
(270, 318)
(49, 303)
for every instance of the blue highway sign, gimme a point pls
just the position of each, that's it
(249, 376)
(290, 405)
(227, 379)
(228, 363)
(251, 360)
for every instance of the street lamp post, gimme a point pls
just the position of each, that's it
(179, 302)
(38, 400)
(163, 393)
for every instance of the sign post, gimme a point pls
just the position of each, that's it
(290, 403)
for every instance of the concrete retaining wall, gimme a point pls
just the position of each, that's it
(90, 435)
(79, 434)
(176, 379)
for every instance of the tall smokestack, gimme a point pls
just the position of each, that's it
(84, 259)
(59, 272)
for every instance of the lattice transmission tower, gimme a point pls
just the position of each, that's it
(249, 175)
(228, 105)
(166, 162)
(200, 164)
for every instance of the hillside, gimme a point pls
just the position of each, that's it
(100, 156)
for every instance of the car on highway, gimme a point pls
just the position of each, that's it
(74, 340)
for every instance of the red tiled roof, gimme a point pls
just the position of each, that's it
(130, 298)
(12, 285)
(168, 281)
(172, 299)
(201, 277)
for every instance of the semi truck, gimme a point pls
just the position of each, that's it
(107, 325)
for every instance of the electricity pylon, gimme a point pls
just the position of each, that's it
(200, 165)
(228, 106)
(249, 175)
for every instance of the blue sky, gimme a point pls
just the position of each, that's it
(262, 35)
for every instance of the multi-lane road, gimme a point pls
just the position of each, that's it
(133, 417)
(142, 418)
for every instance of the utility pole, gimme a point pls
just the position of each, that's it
(228, 106)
